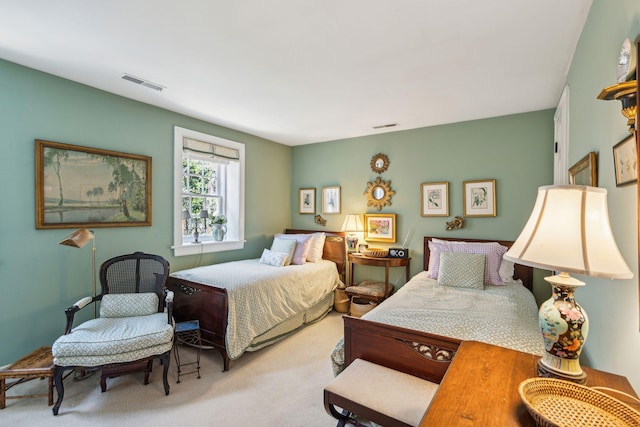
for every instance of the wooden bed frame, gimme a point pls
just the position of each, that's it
(209, 305)
(414, 352)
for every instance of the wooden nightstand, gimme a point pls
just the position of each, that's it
(379, 262)
(480, 388)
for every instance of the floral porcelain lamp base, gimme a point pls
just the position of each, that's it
(564, 325)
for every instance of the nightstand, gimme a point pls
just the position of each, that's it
(377, 262)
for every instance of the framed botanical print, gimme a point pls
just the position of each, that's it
(434, 198)
(380, 227)
(331, 200)
(479, 198)
(625, 162)
(307, 201)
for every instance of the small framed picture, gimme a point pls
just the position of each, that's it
(625, 162)
(380, 227)
(331, 200)
(307, 201)
(435, 199)
(479, 198)
(585, 171)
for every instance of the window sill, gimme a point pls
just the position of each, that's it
(207, 247)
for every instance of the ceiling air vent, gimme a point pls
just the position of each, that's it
(390, 125)
(142, 82)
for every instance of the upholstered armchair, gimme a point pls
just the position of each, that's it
(133, 328)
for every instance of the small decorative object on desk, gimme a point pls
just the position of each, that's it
(376, 252)
(552, 402)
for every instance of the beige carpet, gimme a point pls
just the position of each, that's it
(280, 385)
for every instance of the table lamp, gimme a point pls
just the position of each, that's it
(567, 232)
(78, 239)
(352, 224)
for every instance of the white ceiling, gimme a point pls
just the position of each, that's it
(305, 71)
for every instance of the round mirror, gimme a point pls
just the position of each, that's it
(379, 163)
(379, 193)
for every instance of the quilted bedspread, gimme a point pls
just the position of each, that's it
(261, 296)
(506, 316)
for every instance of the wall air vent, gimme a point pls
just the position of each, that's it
(390, 125)
(142, 82)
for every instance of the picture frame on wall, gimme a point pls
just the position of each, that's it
(380, 227)
(82, 187)
(585, 171)
(307, 201)
(331, 200)
(625, 162)
(479, 198)
(434, 199)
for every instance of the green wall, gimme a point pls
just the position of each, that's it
(516, 151)
(41, 278)
(613, 343)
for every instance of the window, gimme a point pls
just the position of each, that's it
(208, 183)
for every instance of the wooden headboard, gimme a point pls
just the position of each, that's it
(335, 247)
(521, 272)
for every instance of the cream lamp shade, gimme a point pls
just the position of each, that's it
(352, 224)
(568, 232)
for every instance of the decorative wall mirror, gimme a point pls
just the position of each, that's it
(379, 163)
(379, 193)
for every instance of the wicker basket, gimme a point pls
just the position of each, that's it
(376, 252)
(553, 403)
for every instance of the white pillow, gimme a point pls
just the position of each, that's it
(302, 247)
(277, 259)
(317, 247)
(506, 270)
(284, 245)
(461, 270)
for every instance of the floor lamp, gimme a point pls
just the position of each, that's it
(78, 239)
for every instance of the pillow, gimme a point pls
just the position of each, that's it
(461, 270)
(302, 246)
(287, 246)
(493, 252)
(316, 248)
(506, 271)
(128, 305)
(277, 259)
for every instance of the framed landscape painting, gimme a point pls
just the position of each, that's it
(89, 187)
(380, 227)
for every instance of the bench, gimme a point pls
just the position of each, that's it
(375, 393)
(37, 364)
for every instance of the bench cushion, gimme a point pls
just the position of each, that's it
(391, 393)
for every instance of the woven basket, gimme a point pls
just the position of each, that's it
(376, 252)
(554, 403)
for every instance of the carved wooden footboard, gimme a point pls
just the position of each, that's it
(208, 305)
(417, 353)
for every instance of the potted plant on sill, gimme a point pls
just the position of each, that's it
(219, 227)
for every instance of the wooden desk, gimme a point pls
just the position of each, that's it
(480, 388)
(379, 262)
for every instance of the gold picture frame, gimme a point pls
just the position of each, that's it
(434, 199)
(307, 201)
(331, 201)
(585, 171)
(625, 162)
(479, 198)
(380, 227)
(81, 187)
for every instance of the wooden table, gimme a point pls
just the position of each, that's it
(379, 262)
(38, 364)
(480, 388)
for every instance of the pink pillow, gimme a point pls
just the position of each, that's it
(302, 247)
(493, 252)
